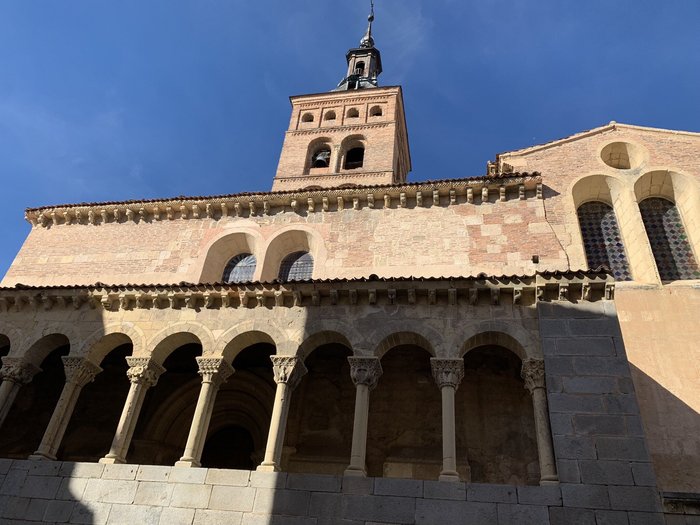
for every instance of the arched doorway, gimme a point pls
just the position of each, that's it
(164, 422)
(319, 429)
(495, 422)
(405, 422)
(96, 415)
(35, 401)
(240, 420)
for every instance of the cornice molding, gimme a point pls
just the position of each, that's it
(473, 291)
(447, 192)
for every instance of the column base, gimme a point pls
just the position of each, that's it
(112, 460)
(549, 480)
(449, 476)
(354, 472)
(40, 456)
(267, 467)
(188, 463)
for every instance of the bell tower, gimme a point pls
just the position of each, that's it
(354, 135)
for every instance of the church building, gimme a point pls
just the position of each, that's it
(519, 347)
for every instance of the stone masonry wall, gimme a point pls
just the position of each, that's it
(55, 492)
(599, 443)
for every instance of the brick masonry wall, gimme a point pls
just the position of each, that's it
(493, 237)
(55, 492)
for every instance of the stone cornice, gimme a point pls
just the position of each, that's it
(346, 127)
(409, 195)
(472, 291)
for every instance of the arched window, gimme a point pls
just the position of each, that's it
(354, 158)
(297, 266)
(353, 113)
(669, 242)
(330, 115)
(602, 240)
(376, 111)
(321, 157)
(240, 269)
(360, 68)
(308, 117)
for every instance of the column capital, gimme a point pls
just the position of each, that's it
(17, 370)
(143, 371)
(288, 369)
(533, 374)
(365, 370)
(214, 369)
(447, 372)
(79, 370)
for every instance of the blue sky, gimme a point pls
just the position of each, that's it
(104, 100)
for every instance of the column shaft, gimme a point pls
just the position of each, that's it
(143, 374)
(448, 373)
(79, 372)
(288, 372)
(214, 371)
(8, 393)
(365, 372)
(533, 374)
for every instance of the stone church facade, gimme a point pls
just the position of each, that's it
(353, 348)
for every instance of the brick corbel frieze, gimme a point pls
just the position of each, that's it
(447, 192)
(473, 291)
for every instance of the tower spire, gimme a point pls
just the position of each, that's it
(364, 62)
(367, 40)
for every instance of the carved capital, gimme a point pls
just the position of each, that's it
(447, 372)
(533, 374)
(143, 371)
(214, 369)
(79, 370)
(288, 369)
(365, 371)
(17, 371)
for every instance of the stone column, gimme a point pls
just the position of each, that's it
(448, 373)
(365, 372)
(533, 374)
(143, 374)
(79, 372)
(214, 371)
(288, 372)
(14, 373)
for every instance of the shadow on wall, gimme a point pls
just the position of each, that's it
(672, 429)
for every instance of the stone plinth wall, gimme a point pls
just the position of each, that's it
(66, 492)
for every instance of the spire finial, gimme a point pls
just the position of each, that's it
(367, 40)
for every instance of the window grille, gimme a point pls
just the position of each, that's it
(669, 242)
(240, 269)
(602, 240)
(298, 266)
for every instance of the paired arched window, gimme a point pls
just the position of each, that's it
(602, 240)
(297, 266)
(669, 242)
(307, 117)
(353, 113)
(376, 111)
(330, 115)
(354, 158)
(240, 269)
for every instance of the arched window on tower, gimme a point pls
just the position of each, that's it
(669, 242)
(240, 269)
(321, 158)
(602, 240)
(360, 69)
(376, 111)
(297, 266)
(354, 158)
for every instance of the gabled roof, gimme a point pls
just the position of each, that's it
(612, 126)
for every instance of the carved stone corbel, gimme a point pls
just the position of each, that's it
(402, 199)
(324, 204)
(432, 297)
(411, 296)
(495, 296)
(453, 197)
(436, 198)
(243, 298)
(266, 207)
(370, 200)
(419, 198)
(238, 210)
(184, 214)
(387, 200)
(252, 208)
(341, 204)
(333, 297)
(356, 203)
(452, 296)
(311, 205)
(279, 298)
(195, 211)
(484, 194)
(296, 294)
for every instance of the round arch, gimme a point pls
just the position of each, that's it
(496, 338)
(177, 335)
(103, 341)
(42, 347)
(10, 336)
(225, 246)
(318, 339)
(401, 338)
(596, 187)
(289, 240)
